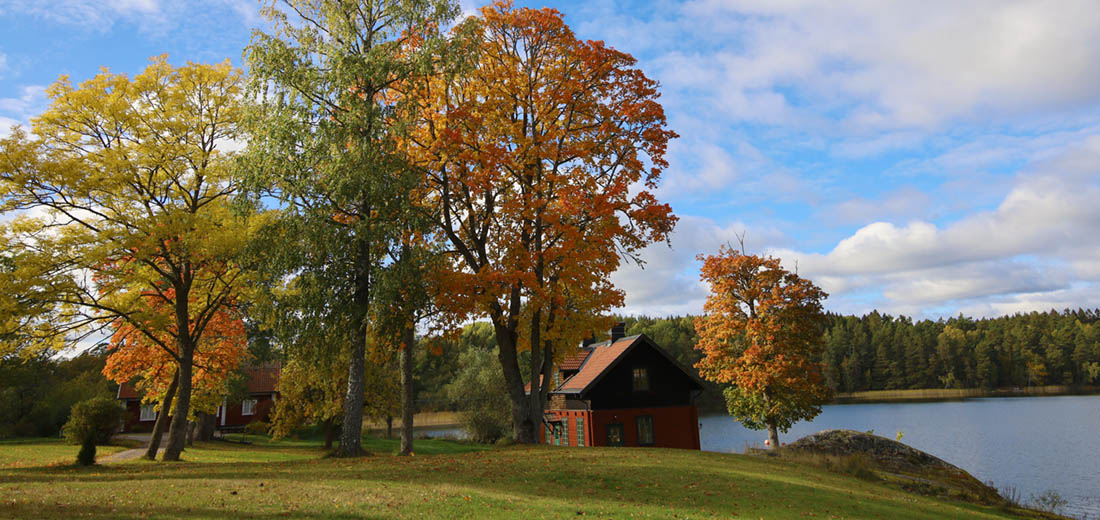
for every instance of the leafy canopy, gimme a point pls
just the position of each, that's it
(761, 332)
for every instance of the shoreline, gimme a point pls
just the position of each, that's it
(958, 394)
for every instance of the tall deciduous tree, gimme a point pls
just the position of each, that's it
(127, 198)
(324, 147)
(762, 334)
(540, 155)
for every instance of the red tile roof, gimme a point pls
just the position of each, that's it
(603, 355)
(575, 361)
(127, 391)
(263, 379)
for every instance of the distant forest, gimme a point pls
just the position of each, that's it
(882, 352)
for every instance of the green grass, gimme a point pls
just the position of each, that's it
(445, 479)
(22, 453)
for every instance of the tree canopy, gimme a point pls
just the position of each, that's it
(540, 155)
(761, 333)
(126, 220)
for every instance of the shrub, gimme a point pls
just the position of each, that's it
(480, 393)
(257, 428)
(96, 419)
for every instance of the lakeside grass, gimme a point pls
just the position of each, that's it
(948, 394)
(448, 479)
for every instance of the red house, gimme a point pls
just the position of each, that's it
(625, 391)
(262, 383)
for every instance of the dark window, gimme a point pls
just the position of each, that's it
(615, 434)
(645, 430)
(641, 379)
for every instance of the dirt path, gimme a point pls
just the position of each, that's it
(135, 453)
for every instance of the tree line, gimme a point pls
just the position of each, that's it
(878, 351)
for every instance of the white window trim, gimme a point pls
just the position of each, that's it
(248, 406)
(148, 412)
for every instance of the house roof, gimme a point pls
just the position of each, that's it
(600, 358)
(575, 361)
(127, 391)
(262, 379)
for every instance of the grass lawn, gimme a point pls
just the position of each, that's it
(290, 479)
(22, 453)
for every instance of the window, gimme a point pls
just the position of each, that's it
(148, 412)
(615, 434)
(641, 379)
(645, 430)
(580, 431)
(248, 406)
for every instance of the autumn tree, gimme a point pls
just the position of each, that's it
(323, 149)
(133, 357)
(761, 333)
(541, 153)
(126, 194)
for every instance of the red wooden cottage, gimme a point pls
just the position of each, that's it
(625, 391)
(262, 383)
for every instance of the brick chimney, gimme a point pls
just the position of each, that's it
(618, 331)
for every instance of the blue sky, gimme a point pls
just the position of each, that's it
(925, 158)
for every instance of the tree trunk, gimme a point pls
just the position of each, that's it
(162, 419)
(191, 433)
(351, 434)
(330, 433)
(207, 423)
(523, 430)
(773, 435)
(177, 434)
(389, 426)
(407, 396)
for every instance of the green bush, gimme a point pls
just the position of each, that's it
(480, 394)
(95, 419)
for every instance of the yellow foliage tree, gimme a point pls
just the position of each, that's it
(126, 193)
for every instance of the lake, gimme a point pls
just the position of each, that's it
(1032, 444)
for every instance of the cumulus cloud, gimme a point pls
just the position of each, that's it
(1040, 241)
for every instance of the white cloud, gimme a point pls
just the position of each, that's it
(1043, 238)
(884, 65)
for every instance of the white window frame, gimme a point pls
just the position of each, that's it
(248, 407)
(148, 412)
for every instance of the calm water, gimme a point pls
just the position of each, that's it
(1031, 443)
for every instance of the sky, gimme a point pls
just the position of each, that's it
(919, 158)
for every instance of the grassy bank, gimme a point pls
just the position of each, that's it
(290, 479)
(947, 394)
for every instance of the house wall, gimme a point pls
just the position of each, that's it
(673, 426)
(234, 417)
(132, 421)
(572, 432)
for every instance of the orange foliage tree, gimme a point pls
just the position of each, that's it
(220, 352)
(153, 363)
(541, 152)
(761, 332)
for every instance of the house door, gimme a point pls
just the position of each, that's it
(615, 434)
